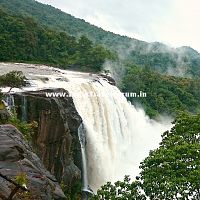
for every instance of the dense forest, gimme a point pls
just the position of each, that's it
(23, 40)
(165, 94)
(183, 61)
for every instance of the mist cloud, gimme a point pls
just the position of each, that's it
(174, 22)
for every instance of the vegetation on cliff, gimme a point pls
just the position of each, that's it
(11, 80)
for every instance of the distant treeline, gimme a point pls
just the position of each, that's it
(165, 94)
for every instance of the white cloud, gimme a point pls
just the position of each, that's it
(174, 22)
(182, 27)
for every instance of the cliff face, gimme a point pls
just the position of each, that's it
(16, 157)
(56, 141)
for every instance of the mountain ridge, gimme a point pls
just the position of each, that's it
(9, 4)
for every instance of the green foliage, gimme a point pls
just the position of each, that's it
(73, 193)
(23, 40)
(27, 129)
(165, 94)
(58, 20)
(121, 190)
(173, 170)
(1, 95)
(21, 179)
(13, 79)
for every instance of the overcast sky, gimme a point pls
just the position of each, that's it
(174, 22)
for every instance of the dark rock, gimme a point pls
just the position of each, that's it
(108, 79)
(56, 141)
(16, 157)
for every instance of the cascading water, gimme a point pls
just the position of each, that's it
(82, 139)
(118, 136)
(24, 108)
(10, 101)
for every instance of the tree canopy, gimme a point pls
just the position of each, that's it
(13, 79)
(22, 39)
(172, 171)
(120, 190)
(165, 94)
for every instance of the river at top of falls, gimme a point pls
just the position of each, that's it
(118, 136)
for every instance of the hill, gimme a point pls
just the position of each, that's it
(23, 40)
(182, 61)
(167, 95)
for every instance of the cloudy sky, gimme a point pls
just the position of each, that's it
(174, 22)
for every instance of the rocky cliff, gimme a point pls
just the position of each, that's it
(56, 140)
(17, 158)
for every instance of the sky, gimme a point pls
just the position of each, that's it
(173, 22)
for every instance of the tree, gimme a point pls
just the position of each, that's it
(173, 170)
(13, 79)
(121, 190)
(84, 44)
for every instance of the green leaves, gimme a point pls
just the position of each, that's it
(27, 129)
(120, 190)
(165, 94)
(173, 170)
(23, 40)
(13, 79)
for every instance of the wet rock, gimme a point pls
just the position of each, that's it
(56, 141)
(16, 157)
(108, 78)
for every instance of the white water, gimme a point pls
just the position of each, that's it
(82, 139)
(118, 135)
(24, 108)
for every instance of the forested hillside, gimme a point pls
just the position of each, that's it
(165, 94)
(23, 40)
(179, 62)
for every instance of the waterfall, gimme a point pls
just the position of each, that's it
(116, 136)
(10, 101)
(82, 139)
(10, 104)
(24, 108)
